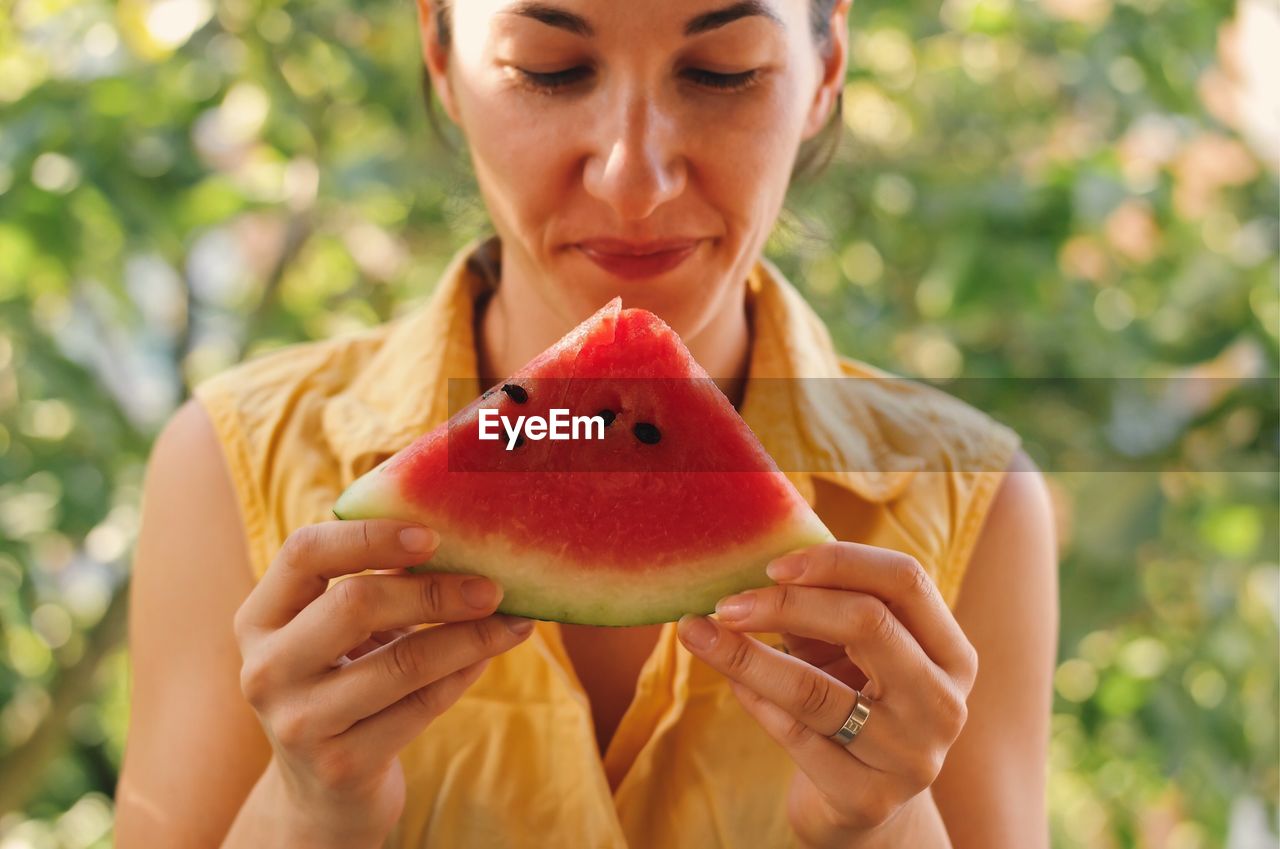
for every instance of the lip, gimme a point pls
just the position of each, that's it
(634, 259)
(621, 247)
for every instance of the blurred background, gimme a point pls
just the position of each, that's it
(1026, 190)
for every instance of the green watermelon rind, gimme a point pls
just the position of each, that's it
(550, 586)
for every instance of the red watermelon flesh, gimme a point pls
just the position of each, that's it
(625, 530)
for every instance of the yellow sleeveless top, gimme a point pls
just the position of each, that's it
(514, 763)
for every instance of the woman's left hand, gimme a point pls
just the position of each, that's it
(853, 617)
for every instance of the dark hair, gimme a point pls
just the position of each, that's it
(814, 155)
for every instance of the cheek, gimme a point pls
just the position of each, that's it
(521, 154)
(742, 153)
(511, 137)
(756, 123)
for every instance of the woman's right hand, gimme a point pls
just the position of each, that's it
(339, 680)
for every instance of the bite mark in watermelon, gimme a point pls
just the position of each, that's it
(678, 506)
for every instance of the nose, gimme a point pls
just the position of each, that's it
(637, 164)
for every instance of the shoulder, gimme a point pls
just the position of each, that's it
(267, 419)
(1024, 492)
(315, 367)
(276, 400)
(945, 432)
(1018, 545)
(185, 457)
(962, 456)
(1010, 582)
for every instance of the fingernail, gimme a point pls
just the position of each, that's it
(697, 631)
(419, 540)
(479, 592)
(736, 606)
(784, 569)
(519, 626)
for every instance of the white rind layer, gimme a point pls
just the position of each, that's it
(551, 585)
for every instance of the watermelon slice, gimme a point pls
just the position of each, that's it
(676, 506)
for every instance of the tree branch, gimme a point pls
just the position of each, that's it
(24, 766)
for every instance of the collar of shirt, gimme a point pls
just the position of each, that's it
(821, 426)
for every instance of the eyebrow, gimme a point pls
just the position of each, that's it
(553, 16)
(720, 17)
(562, 19)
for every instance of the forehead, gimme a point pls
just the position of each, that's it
(590, 19)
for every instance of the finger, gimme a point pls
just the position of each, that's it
(376, 639)
(817, 652)
(895, 578)
(839, 667)
(870, 634)
(811, 696)
(314, 554)
(388, 674)
(352, 609)
(828, 657)
(379, 738)
(358, 652)
(860, 795)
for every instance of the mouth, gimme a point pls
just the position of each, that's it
(633, 260)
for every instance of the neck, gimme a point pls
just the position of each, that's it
(515, 325)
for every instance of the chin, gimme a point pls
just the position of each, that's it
(680, 297)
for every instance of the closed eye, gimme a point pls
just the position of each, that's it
(725, 82)
(557, 80)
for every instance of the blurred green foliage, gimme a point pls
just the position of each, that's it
(1076, 188)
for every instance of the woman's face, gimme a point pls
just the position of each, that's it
(598, 128)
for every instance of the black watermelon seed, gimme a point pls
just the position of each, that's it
(519, 440)
(608, 416)
(647, 433)
(515, 393)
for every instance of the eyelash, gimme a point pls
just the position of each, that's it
(553, 82)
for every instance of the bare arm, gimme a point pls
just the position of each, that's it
(991, 791)
(271, 713)
(195, 747)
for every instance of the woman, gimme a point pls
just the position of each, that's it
(642, 150)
